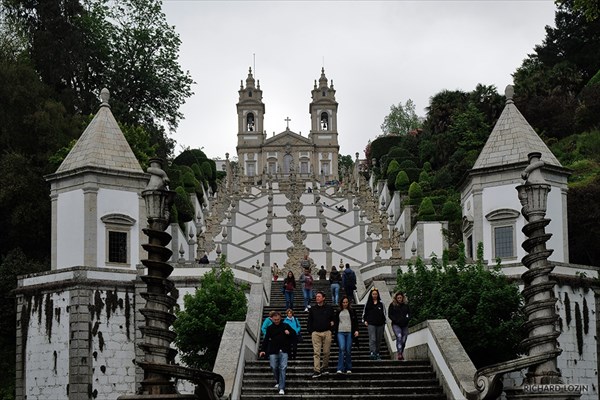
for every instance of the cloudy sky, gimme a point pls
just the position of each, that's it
(377, 53)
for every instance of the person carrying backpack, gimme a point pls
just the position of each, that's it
(349, 282)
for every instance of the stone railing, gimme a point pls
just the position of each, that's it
(434, 340)
(240, 342)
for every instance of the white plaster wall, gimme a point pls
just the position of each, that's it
(47, 349)
(433, 238)
(114, 370)
(505, 196)
(121, 202)
(69, 238)
(412, 238)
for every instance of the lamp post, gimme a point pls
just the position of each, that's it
(159, 357)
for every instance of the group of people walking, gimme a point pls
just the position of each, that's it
(345, 277)
(281, 335)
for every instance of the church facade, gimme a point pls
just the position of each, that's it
(288, 151)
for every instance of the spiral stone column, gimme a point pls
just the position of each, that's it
(159, 357)
(543, 378)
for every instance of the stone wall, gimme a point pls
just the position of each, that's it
(578, 324)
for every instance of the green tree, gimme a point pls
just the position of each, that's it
(199, 326)
(426, 210)
(415, 193)
(401, 120)
(481, 305)
(344, 163)
(402, 182)
(392, 171)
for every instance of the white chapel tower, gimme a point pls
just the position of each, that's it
(96, 203)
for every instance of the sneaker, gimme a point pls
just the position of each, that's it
(306, 309)
(339, 372)
(377, 357)
(373, 356)
(325, 372)
(277, 386)
(349, 372)
(281, 391)
(316, 374)
(400, 357)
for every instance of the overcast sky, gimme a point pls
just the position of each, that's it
(376, 53)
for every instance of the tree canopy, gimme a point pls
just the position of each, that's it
(200, 325)
(481, 305)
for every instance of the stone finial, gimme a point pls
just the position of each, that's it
(509, 92)
(104, 97)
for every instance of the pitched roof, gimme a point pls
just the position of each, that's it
(512, 139)
(102, 144)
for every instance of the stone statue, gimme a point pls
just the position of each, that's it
(158, 178)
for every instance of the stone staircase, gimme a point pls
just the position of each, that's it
(370, 379)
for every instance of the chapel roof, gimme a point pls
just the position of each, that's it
(512, 139)
(102, 145)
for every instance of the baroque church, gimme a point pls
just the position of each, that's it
(288, 151)
(79, 325)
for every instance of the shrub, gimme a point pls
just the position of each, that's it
(415, 193)
(426, 210)
(200, 325)
(481, 305)
(402, 182)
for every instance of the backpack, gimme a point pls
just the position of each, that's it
(350, 277)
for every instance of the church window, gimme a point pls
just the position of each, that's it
(287, 162)
(324, 121)
(117, 247)
(272, 167)
(470, 247)
(118, 232)
(503, 241)
(250, 122)
(503, 225)
(251, 169)
(304, 167)
(325, 168)
(324, 93)
(250, 93)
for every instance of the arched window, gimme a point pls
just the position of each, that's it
(250, 122)
(324, 121)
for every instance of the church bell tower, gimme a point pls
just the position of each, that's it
(323, 129)
(251, 133)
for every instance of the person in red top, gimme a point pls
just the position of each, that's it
(307, 287)
(289, 284)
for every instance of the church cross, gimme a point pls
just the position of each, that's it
(287, 119)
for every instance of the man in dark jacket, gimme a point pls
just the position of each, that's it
(277, 344)
(349, 281)
(320, 321)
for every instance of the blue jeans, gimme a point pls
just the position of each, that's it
(278, 364)
(307, 296)
(335, 293)
(344, 354)
(401, 336)
(289, 299)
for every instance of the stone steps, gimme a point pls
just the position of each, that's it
(370, 379)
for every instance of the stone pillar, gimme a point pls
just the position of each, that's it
(541, 344)
(90, 226)
(80, 353)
